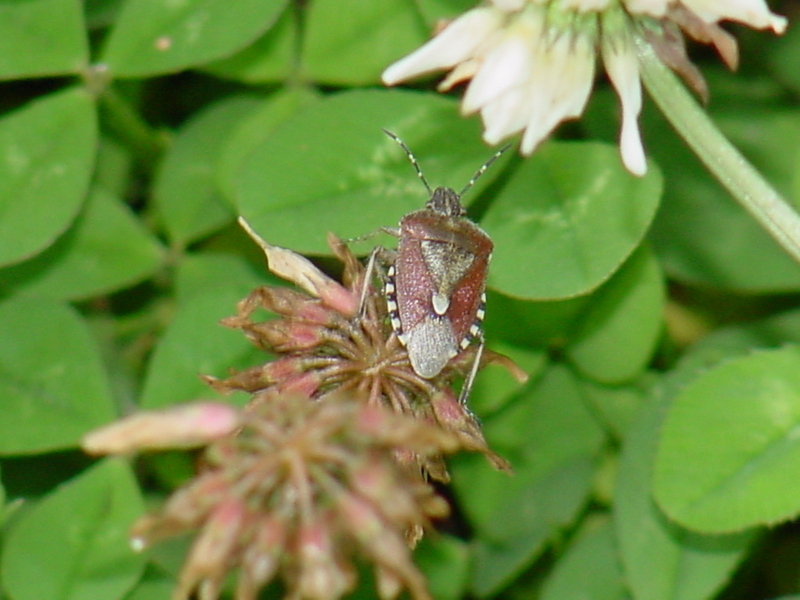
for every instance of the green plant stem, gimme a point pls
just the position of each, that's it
(145, 143)
(725, 162)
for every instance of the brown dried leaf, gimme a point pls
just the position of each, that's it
(670, 47)
(707, 33)
(289, 265)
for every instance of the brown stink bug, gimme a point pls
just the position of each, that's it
(435, 287)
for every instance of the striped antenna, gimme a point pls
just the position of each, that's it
(480, 171)
(411, 158)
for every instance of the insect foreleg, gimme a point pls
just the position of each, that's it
(377, 263)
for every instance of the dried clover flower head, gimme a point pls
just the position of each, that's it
(321, 348)
(295, 492)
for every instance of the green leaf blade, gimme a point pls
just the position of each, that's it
(567, 219)
(620, 329)
(350, 42)
(253, 132)
(42, 38)
(164, 37)
(268, 59)
(106, 249)
(185, 190)
(54, 386)
(44, 173)
(73, 544)
(729, 448)
(661, 560)
(195, 343)
(589, 568)
(551, 481)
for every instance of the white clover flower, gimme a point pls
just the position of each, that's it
(532, 62)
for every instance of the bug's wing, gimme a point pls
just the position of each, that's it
(431, 345)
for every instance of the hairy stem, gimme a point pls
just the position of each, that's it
(725, 162)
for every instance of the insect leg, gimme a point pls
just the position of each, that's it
(476, 363)
(393, 231)
(378, 259)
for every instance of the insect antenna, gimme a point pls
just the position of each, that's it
(480, 171)
(411, 158)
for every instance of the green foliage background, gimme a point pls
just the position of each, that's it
(656, 444)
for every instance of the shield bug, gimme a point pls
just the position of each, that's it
(435, 288)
